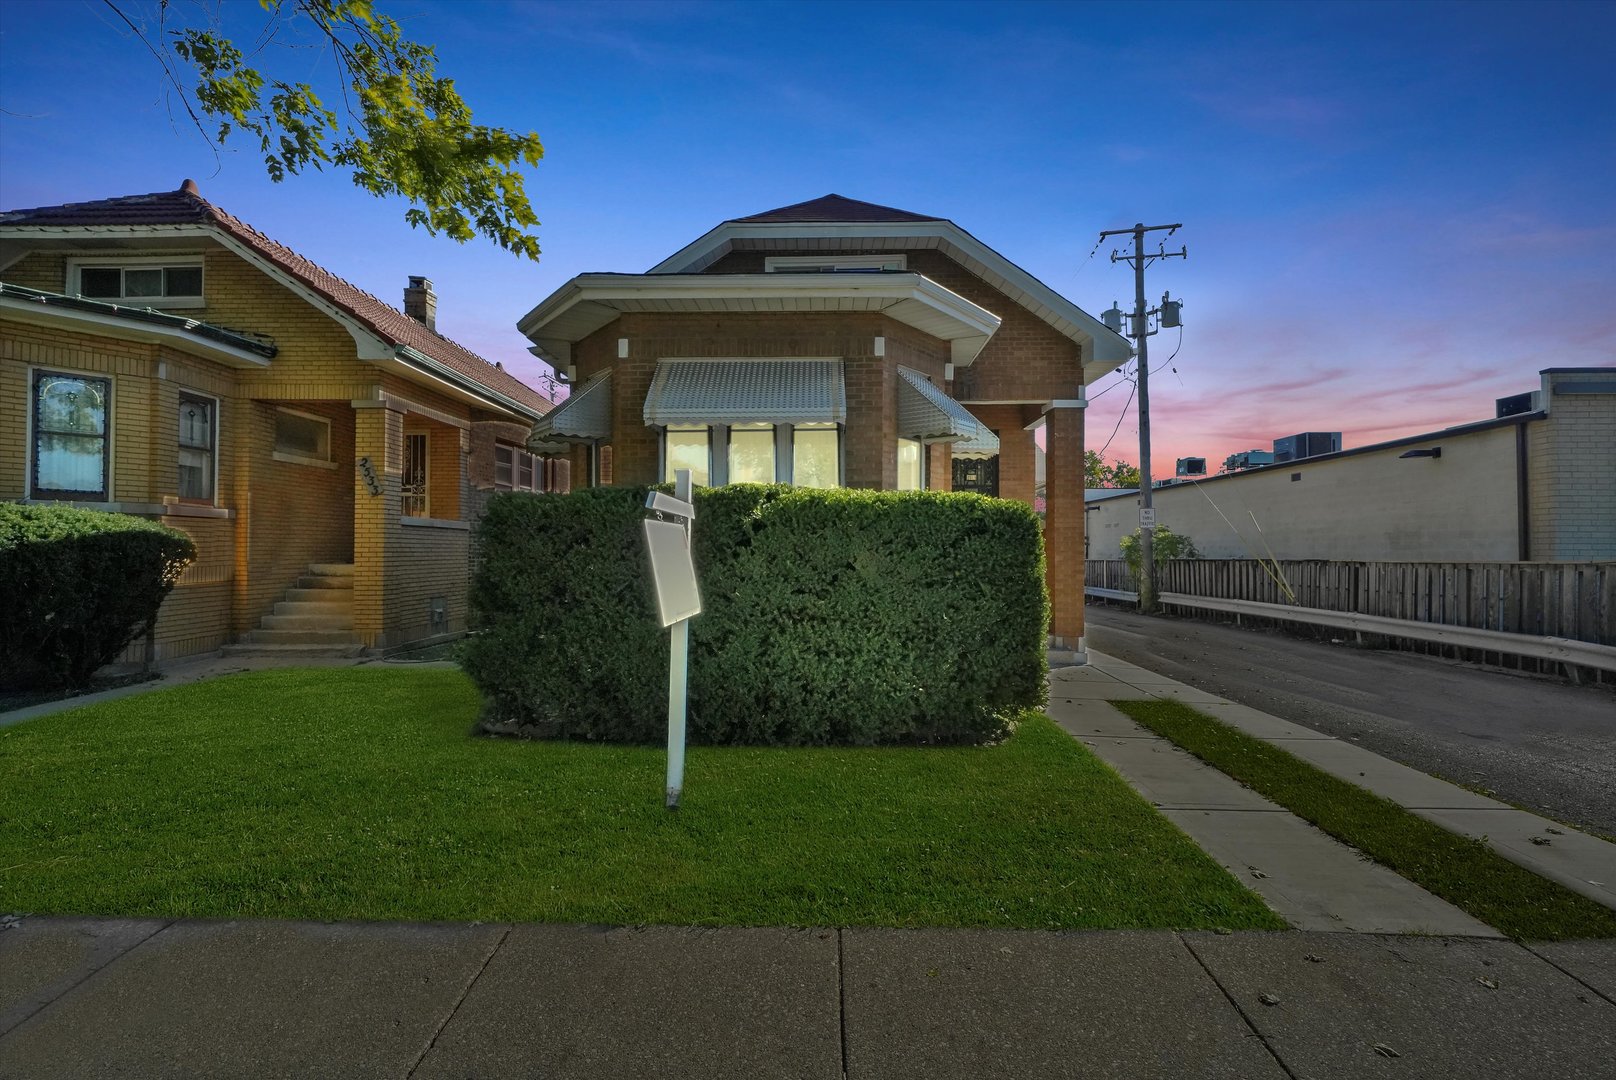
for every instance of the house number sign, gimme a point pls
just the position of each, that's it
(368, 471)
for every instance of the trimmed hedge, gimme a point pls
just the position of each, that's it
(831, 617)
(79, 585)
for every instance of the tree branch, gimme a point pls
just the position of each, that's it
(185, 98)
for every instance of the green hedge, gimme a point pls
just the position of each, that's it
(845, 617)
(79, 585)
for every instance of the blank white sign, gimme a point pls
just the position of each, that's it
(674, 573)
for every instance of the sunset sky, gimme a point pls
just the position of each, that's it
(1394, 213)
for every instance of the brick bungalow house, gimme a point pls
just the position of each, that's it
(833, 342)
(325, 450)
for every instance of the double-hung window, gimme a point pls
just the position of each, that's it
(198, 445)
(689, 447)
(71, 450)
(516, 470)
(751, 454)
(816, 458)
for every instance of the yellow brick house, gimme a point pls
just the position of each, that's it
(327, 451)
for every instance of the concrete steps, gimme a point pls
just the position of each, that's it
(314, 619)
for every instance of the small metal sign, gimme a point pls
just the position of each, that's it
(1147, 516)
(672, 570)
(678, 600)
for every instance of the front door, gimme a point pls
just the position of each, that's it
(980, 475)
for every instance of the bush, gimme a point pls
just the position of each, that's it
(846, 617)
(79, 585)
(1165, 546)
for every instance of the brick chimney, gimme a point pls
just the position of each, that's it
(421, 303)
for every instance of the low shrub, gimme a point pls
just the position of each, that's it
(830, 617)
(79, 585)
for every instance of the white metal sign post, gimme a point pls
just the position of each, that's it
(678, 601)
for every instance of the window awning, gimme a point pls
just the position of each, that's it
(985, 445)
(747, 392)
(928, 414)
(584, 417)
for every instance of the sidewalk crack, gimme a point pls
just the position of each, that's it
(1236, 1006)
(86, 977)
(1568, 973)
(459, 1001)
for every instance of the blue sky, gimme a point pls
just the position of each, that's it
(1395, 213)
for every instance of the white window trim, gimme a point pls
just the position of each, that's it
(218, 410)
(124, 262)
(30, 449)
(778, 264)
(304, 459)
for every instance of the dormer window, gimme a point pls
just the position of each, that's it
(152, 282)
(831, 264)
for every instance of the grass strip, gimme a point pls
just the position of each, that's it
(361, 793)
(1465, 872)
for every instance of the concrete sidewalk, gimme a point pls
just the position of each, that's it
(1205, 803)
(85, 997)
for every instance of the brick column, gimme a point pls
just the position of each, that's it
(940, 466)
(1063, 524)
(870, 449)
(378, 438)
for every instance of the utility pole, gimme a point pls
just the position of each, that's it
(1141, 333)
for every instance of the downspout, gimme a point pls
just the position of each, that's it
(1522, 495)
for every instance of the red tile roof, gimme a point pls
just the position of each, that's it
(837, 208)
(187, 207)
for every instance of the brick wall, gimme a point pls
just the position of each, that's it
(1026, 359)
(1572, 468)
(851, 336)
(146, 383)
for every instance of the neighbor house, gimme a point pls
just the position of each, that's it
(326, 451)
(833, 342)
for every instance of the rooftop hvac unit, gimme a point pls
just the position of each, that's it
(1517, 404)
(1247, 459)
(1191, 466)
(1307, 444)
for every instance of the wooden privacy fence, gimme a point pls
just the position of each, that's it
(1565, 600)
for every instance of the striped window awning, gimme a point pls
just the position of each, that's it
(984, 445)
(928, 414)
(746, 392)
(584, 417)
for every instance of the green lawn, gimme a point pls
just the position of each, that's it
(361, 794)
(1464, 872)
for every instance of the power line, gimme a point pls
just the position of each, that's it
(1123, 415)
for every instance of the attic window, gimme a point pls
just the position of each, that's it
(828, 264)
(146, 282)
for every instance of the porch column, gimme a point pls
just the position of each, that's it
(1063, 525)
(378, 444)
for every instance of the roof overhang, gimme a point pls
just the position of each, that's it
(110, 325)
(1102, 349)
(591, 301)
(404, 360)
